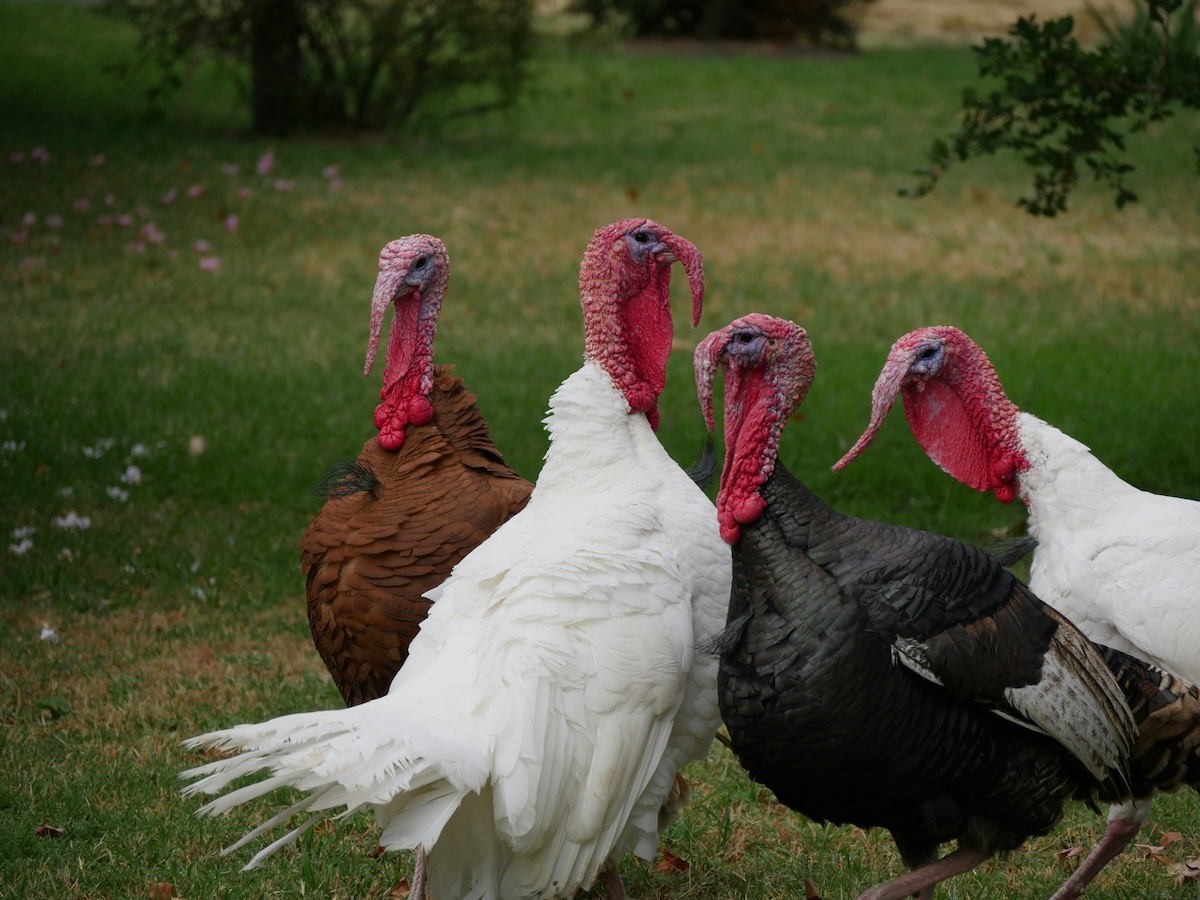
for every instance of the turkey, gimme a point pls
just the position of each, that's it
(423, 493)
(1121, 563)
(882, 676)
(554, 690)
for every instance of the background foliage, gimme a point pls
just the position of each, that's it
(1068, 110)
(340, 63)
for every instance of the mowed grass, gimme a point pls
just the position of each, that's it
(230, 392)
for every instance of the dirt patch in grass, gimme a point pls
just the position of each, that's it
(892, 22)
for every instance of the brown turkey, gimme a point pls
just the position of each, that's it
(423, 493)
(888, 677)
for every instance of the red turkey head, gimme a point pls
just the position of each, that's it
(413, 273)
(624, 285)
(769, 366)
(956, 408)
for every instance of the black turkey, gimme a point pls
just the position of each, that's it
(888, 677)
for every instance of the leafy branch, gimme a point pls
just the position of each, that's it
(1067, 110)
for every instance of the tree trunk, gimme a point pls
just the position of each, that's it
(276, 67)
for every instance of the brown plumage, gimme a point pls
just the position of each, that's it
(397, 521)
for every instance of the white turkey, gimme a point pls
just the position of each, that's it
(554, 691)
(888, 677)
(1122, 563)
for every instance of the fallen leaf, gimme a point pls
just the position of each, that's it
(402, 889)
(1066, 854)
(204, 655)
(672, 863)
(1188, 870)
(810, 891)
(1153, 851)
(160, 890)
(1169, 838)
(48, 831)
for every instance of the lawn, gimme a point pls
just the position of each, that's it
(185, 315)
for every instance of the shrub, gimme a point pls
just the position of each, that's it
(822, 22)
(350, 63)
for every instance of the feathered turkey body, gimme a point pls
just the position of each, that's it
(885, 676)
(400, 518)
(1121, 563)
(553, 691)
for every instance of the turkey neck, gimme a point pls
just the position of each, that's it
(799, 525)
(592, 433)
(1064, 483)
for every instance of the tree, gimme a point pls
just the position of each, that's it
(1067, 110)
(348, 63)
(824, 22)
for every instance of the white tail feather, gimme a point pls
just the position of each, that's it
(414, 769)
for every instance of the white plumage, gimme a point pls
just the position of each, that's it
(554, 690)
(1122, 563)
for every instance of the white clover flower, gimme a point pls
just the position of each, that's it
(11, 446)
(138, 450)
(65, 554)
(21, 547)
(133, 475)
(49, 634)
(118, 494)
(73, 520)
(23, 531)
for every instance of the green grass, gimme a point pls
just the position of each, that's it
(181, 607)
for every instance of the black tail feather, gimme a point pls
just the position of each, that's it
(345, 478)
(704, 468)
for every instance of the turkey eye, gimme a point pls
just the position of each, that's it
(927, 353)
(421, 262)
(642, 237)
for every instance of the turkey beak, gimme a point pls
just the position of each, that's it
(887, 388)
(386, 287)
(705, 360)
(693, 264)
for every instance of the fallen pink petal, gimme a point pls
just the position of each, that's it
(195, 191)
(151, 232)
(83, 204)
(137, 247)
(16, 157)
(230, 169)
(210, 263)
(202, 246)
(169, 197)
(104, 220)
(18, 237)
(30, 218)
(331, 171)
(243, 193)
(265, 163)
(41, 154)
(110, 200)
(125, 220)
(335, 185)
(54, 221)
(231, 223)
(282, 184)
